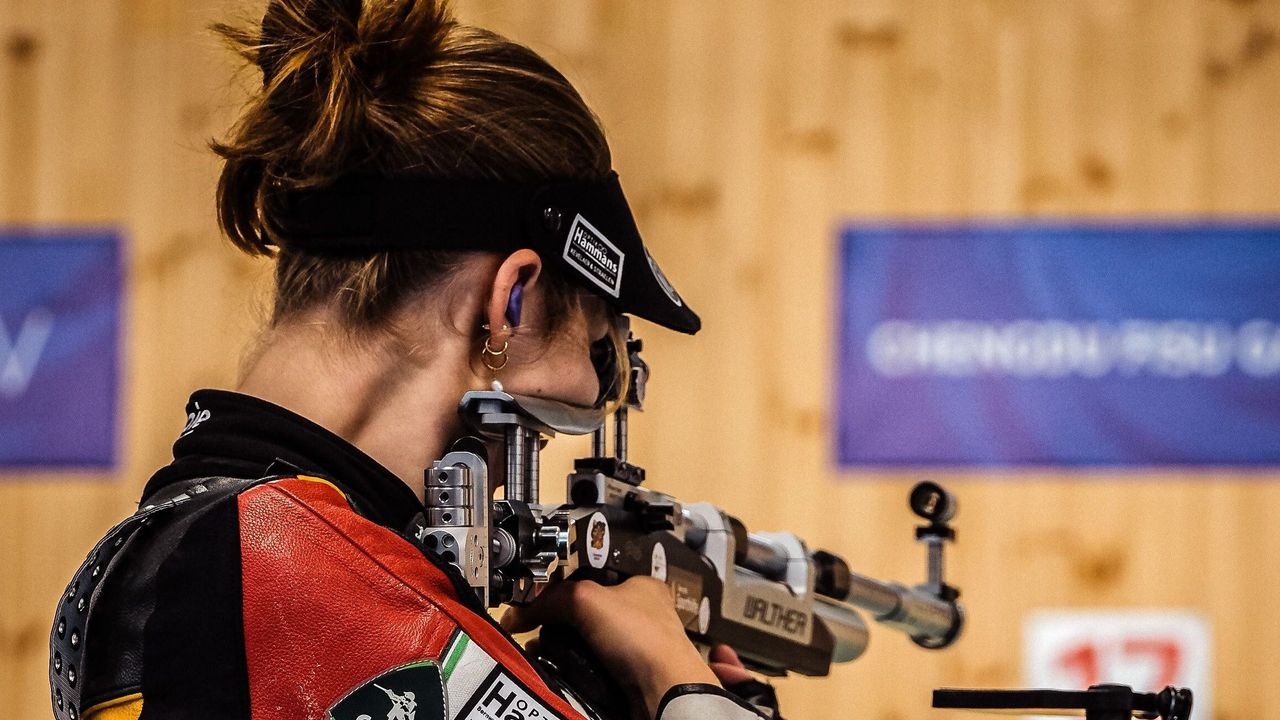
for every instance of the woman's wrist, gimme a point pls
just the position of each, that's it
(654, 685)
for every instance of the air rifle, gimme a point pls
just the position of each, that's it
(780, 606)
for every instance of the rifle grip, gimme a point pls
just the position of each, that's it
(564, 651)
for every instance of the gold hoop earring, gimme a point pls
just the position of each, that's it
(500, 357)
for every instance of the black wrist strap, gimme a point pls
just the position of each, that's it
(682, 689)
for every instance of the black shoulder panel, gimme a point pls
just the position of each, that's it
(95, 647)
(193, 642)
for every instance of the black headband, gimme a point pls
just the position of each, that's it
(586, 226)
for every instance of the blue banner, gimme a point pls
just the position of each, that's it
(1093, 344)
(59, 348)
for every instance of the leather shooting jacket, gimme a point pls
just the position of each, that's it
(272, 572)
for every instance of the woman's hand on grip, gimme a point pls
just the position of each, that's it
(633, 628)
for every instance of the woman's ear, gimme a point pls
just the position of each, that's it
(517, 274)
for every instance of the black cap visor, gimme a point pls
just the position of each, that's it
(585, 227)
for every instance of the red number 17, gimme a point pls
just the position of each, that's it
(1084, 660)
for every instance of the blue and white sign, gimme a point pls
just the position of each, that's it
(1087, 344)
(59, 348)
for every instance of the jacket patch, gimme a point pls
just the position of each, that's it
(409, 692)
(480, 689)
(502, 697)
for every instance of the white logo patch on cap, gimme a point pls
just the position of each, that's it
(591, 254)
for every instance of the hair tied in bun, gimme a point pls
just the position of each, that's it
(387, 89)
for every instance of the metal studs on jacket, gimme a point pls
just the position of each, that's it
(71, 624)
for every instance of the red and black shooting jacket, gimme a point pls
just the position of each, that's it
(272, 573)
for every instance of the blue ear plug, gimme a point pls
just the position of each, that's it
(514, 303)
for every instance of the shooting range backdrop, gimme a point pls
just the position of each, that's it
(747, 135)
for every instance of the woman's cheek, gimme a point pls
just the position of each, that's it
(566, 379)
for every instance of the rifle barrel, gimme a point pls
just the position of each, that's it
(915, 611)
(918, 612)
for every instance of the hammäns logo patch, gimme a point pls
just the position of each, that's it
(409, 692)
(588, 251)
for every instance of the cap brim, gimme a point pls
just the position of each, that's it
(591, 233)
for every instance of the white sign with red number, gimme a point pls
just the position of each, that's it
(1145, 649)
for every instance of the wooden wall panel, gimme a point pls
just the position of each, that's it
(745, 131)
